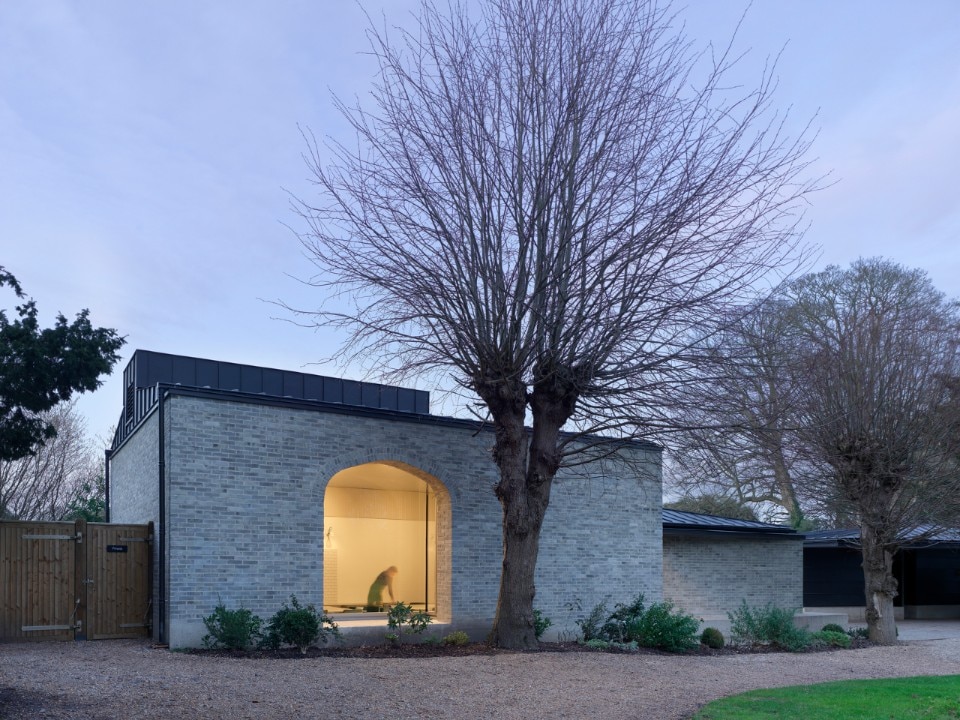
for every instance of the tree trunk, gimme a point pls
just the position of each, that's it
(524, 495)
(880, 587)
(788, 495)
(513, 624)
(528, 464)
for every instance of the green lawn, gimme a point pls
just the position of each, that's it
(915, 698)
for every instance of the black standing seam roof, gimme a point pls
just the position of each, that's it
(682, 520)
(148, 374)
(850, 537)
(147, 369)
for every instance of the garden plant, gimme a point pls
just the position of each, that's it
(401, 619)
(231, 629)
(300, 626)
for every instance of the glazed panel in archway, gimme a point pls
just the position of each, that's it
(379, 516)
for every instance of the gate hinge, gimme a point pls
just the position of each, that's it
(78, 537)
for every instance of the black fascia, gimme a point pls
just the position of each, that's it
(686, 530)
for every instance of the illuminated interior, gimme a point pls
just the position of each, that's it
(377, 516)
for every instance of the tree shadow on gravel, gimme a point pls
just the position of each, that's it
(18, 704)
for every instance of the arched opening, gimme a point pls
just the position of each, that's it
(381, 517)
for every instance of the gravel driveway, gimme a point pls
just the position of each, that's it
(129, 679)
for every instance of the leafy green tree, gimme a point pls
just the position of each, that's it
(41, 367)
(89, 502)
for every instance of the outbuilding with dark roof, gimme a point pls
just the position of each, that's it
(927, 569)
(713, 564)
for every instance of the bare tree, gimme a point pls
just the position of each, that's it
(879, 352)
(544, 200)
(42, 486)
(838, 399)
(739, 436)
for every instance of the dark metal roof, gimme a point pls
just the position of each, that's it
(150, 374)
(147, 369)
(831, 537)
(850, 537)
(681, 520)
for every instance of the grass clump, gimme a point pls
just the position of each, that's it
(830, 638)
(914, 698)
(231, 629)
(457, 638)
(591, 627)
(768, 625)
(833, 627)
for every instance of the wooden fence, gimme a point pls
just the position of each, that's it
(65, 580)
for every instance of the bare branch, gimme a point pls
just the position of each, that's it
(41, 486)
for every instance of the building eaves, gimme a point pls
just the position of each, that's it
(919, 537)
(679, 522)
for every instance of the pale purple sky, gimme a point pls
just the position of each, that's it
(146, 149)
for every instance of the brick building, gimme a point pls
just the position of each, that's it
(264, 483)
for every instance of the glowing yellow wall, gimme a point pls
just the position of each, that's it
(368, 529)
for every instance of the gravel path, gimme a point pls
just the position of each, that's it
(128, 679)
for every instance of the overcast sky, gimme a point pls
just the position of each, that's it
(147, 150)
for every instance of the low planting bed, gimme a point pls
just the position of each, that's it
(303, 631)
(432, 650)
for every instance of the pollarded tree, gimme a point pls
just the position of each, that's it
(42, 367)
(878, 355)
(544, 199)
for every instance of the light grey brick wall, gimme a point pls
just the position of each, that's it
(246, 483)
(134, 477)
(709, 577)
(601, 540)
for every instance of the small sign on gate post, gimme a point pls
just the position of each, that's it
(116, 548)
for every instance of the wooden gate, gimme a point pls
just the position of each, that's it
(37, 575)
(63, 580)
(117, 581)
